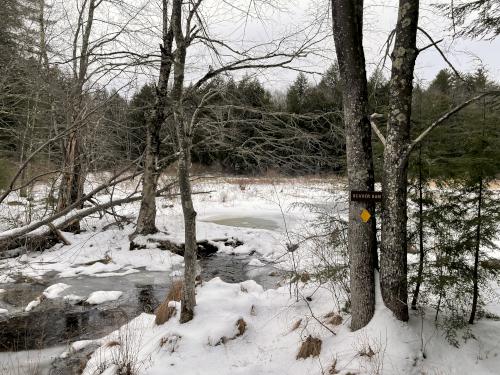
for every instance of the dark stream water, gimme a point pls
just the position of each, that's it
(57, 322)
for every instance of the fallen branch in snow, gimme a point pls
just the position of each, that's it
(23, 236)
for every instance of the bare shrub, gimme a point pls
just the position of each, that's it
(327, 236)
(122, 352)
(371, 352)
(311, 347)
(170, 342)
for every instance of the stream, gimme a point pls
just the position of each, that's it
(55, 323)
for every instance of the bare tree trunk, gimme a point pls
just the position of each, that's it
(183, 133)
(393, 252)
(146, 222)
(475, 274)
(420, 232)
(73, 178)
(348, 35)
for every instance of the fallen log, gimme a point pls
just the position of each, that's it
(44, 235)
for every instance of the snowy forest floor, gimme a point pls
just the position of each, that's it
(267, 216)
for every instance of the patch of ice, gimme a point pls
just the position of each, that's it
(4, 311)
(102, 296)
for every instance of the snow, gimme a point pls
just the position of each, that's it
(255, 263)
(5, 279)
(270, 345)
(32, 304)
(55, 290)
(266, 216)
(4, 311)
(102, 296)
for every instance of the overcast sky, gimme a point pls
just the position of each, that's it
(380, 17)
(300, 19)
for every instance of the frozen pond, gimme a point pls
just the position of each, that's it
(247, 222)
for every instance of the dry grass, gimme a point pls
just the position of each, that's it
(333, 319)
(332, 370)
(112, 343)
(241, 326)
(170, 343)
(165, 311)
(296, 325)
(310, 348)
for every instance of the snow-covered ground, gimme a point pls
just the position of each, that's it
(266, 216)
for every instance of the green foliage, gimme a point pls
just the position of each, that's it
(478, 18)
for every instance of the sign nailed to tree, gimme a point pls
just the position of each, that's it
(363, 196)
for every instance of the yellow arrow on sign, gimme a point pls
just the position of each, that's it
(365, 215)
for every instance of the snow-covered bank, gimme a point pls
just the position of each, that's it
(275, 327)
(267, 218)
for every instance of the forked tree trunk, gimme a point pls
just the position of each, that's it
(72, 180)
(183, 133)
(348, 35)
(393, 251)
(73, 177)
(146, 221)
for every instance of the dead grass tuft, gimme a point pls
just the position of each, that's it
(241, 325)
(296, 325)
(310, 348)
(112, 343)
(333, 319)
(175, 291)
(165, 311)
(332, 370)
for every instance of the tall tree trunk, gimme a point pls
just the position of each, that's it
(73, 177)
(475, 274)
(146, 221)
(420, 271)
(348, 35)
(393, 251)
(183, 133)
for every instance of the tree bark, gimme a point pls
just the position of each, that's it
(475, 274)
(146, 221)
(73, 178)
(420, 271)
(393, 252)
(348, 35)
(183, 133)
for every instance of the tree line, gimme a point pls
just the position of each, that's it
(56, 110)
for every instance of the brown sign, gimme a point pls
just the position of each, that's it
(363, 196)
